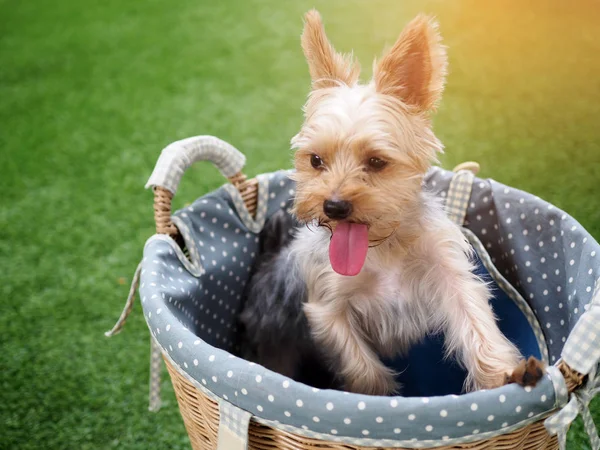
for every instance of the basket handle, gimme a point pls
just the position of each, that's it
(179, 156)
(573, 379)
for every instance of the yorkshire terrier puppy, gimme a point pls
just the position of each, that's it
(379, 264)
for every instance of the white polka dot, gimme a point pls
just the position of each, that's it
(365, 432)
(287, 413)
(286, 384)
(334, 431)
(502, 398)
(548, 325)
(443, 413)
(474, 406)
(214, 378)
(244, 391)
(393, 403)
(475, 431)
(490, 418)
(347, 421)
(572, 262)
(299, 403)
(543, 398)
(429, 428)
(379, 419)
(530, 414)
(397, 430)
(316, 419)
(411, 417)
(180, 344)
(329, 406)
(518, 409)
(270, 398)
(361, 405)
(505, 424)
(460, 424)
(258, 378)
(259, 408)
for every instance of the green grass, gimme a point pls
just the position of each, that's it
(91, 91)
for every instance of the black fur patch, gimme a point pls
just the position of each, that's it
(275, 332)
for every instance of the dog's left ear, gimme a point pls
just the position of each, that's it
(414, 70)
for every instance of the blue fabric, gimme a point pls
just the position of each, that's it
(424, 372)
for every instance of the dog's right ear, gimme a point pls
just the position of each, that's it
(327, 67)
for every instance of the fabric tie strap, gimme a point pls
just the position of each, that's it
(579, 403)
(154, 348)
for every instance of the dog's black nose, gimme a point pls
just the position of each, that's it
(337, 209)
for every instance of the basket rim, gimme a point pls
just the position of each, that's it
(375, 442)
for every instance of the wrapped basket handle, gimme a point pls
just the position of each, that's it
(176, 158)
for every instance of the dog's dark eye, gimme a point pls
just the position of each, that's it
(316, 161)
(376, 163)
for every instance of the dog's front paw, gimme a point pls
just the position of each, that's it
(527, 373)
(376, 383)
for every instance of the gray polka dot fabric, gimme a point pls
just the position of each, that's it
(191, 306)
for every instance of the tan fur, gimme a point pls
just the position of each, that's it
(327, 67)
(417, 276)
(415, 68)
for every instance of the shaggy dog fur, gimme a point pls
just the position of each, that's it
(360, 159)
(275, 331)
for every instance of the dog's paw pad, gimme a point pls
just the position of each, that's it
(527, 373)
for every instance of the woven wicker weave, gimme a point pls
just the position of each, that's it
(201, 414)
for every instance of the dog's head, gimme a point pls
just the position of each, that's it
(363, 149)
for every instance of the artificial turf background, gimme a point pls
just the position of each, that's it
(91, 91)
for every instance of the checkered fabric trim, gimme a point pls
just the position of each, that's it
(155, 367)
(459, 193)
(233, 427)
(581, 351)
(176, 158)
(579, 403)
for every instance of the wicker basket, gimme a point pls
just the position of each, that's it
(201, 413)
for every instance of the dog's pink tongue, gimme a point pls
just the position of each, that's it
(348, 248)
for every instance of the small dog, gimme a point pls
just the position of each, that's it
(380, 265)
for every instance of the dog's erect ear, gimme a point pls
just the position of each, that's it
(327, 67)
(414, 70)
